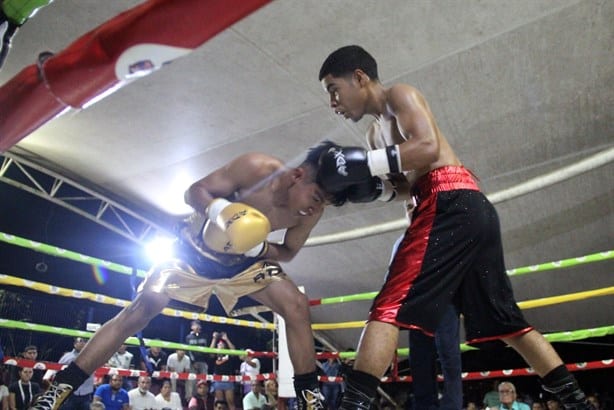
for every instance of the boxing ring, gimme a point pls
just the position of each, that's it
(78, 294)
(99, 62)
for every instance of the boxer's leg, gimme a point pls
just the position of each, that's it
(101, 347)
(284, 298)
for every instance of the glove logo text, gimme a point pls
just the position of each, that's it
(340, 162)
(235, 217)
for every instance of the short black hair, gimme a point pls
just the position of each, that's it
(312, 163)
(312, 160)
(347, 59)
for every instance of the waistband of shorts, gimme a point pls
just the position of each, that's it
(448, 178)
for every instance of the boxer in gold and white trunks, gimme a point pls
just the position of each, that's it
(223, 249)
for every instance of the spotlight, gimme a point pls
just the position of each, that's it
(159, 249)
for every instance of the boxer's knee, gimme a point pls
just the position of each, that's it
(296, 308)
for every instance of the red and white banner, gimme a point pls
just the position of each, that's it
(127, 47)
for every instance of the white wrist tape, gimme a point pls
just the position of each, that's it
(215, 207)
(257, 250)
(384, 161)
(388, 191)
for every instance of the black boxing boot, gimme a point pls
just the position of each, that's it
(63, 385)
(360, 390)
(307, 390)
(563, 385)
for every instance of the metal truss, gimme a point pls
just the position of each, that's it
(36, 179)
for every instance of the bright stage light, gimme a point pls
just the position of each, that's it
(159, 249)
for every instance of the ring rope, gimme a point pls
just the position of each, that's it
(116, 267)
(95, 297)
(132, 340)
(466, 376)
(107, 300)
(64, 253)
(564, 336)
(526, 304)
(564, 263)
(103, 371)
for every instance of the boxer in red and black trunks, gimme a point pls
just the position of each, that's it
(451, 253)
(454, 238)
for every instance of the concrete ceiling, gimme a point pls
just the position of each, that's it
(520, 88)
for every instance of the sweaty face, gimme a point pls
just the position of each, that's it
(345, 96)
(306, 198)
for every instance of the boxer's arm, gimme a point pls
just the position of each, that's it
(415, 123)
(294, 239)
(243, 172)
(375, 141)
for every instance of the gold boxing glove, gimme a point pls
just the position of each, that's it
(240, 228)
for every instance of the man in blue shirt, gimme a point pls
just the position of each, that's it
(112, 395)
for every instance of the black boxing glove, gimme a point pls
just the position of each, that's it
(341, 167)
(373, 189)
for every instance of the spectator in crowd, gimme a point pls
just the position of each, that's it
(23, 390)
(250, 367)
(538, 405)
(594, 401)
(97, 405)
(224, 365)
(255, 399)
(220, 405)
(82, 397)
(112, 395)
(122, 359)
(331, 390)
(30, 352)
(198, 359)
(491, 398)
(140, 397)
(508, 397)
(199, 399)
(270, 390)
(178, 362)
(156, 358)
(472, 406)
(553, 404)
(4, 392)
(346, 366)
(168, 399)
